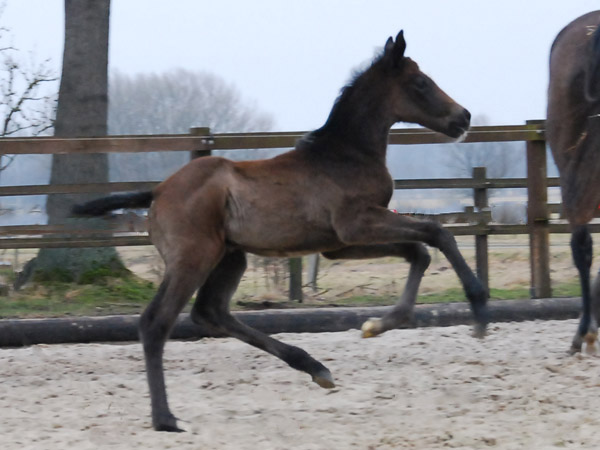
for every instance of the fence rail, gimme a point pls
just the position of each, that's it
(201, 142)
(236, 141)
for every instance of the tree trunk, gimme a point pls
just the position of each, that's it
(82, 111)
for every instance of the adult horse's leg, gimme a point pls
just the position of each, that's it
(581, 248)
(212, 308)
(180, 282)
(418, 257)
(595, 298)
(378, 225)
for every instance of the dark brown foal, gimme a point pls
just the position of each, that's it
(334, 188)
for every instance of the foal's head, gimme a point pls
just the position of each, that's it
(411, 96)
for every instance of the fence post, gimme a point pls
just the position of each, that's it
(201, 131)
(313, 270)
(295, 279)
(537, 216)
(480, 201)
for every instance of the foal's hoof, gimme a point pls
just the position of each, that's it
(169, 428)
(167, 423)
(372, 327)
(324, 379)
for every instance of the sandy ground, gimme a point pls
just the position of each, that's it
(424, 389)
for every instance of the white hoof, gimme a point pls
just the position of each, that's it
(372, 327)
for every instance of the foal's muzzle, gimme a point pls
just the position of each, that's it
(460, 124)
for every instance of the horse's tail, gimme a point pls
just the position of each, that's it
(103, 205)
(593, 72)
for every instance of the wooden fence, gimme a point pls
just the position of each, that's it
(201, 142)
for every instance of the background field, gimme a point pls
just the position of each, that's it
(265, 284)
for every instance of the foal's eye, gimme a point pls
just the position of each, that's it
(420, 83)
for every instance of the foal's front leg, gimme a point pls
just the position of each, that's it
(376, 225)
(418, 257)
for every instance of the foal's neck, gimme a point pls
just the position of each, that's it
(359, 124)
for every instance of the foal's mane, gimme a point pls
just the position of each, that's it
(343, 99)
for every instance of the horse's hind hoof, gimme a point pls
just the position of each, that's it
(574, 349)
(479, 331)
(590, 343)
(324, 379)
(372, 327)
(589, 339)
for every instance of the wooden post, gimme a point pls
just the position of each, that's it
(202, 131)
(295, 279)
(537, 217)
(480, 199)
(313, 270)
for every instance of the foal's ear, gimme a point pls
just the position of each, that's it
(394, 51)
(400, 44)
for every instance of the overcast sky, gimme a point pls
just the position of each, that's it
(292, 57)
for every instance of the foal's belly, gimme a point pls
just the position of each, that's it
(280, 235)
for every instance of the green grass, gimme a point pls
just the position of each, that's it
(130, 295)
(570, 289)
(126, 295)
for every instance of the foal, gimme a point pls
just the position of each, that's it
(334, 188)
(573, 129)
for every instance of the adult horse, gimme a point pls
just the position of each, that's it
(334, 188)
(573, 132)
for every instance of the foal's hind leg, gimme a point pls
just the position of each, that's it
(418, 257)
(180, 282)
(212, 308)
(581, 247)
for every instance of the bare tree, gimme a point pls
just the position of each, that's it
(172, 103)
(498, 157)
(27, 101)
(176, 100)
(27, 98)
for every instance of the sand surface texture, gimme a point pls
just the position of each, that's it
(424, 389)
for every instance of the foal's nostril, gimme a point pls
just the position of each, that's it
(467, 115)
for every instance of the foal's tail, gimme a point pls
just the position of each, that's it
(593, 74)
(103, 205)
